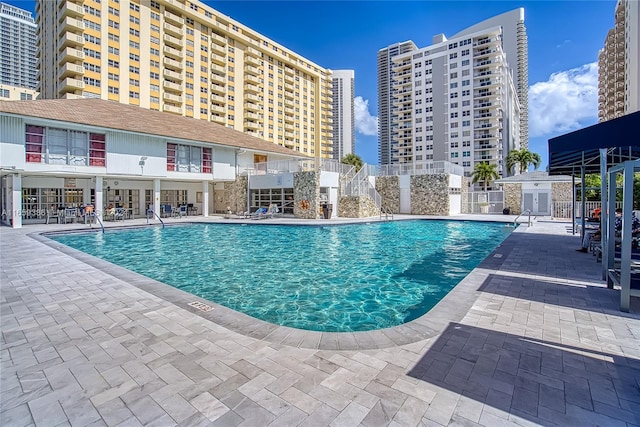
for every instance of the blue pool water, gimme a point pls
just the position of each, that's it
(332, 278)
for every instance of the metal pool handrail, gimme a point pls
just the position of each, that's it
(515, 221)
(154, 212)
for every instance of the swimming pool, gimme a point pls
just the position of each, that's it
(342, 278)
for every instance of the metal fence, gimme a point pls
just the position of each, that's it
(420, 169)
(564, 208)
(489, 202)
(295, 165)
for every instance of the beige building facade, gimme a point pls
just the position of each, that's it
(187, 59)
(618, 73)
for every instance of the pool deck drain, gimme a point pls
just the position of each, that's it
(532, 338)
(200, 306)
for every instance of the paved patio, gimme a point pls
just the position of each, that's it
(530, 337)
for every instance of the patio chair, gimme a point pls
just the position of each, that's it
(119, 214)
(183, 211)
(166, 211)
(53, 213)
(70, 214)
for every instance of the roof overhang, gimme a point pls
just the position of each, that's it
(619, 137)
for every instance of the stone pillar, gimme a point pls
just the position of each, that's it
(306, 194)
(513, 198)
(236, 192)
(389, 189)
(464, 195)
(430, 194)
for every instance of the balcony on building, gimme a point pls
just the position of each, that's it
(70, 84)
(172, 75)
(169, 85)
(215, 78)
(172, 109)
(252, 61)
(70, 40)
(250, 78)
(71, 54)
(483, 52)
(484, 157)
(168, 96)
(217, 118)
(251, 97)
(251, 106)
(70, 70)
(172, 63)
(252, 52)
(484, 145)
(173, 30)
(69, 8)
(249, 70)
(218, 39)
(172, 41)
(218, 88)
(174, 53)
(217, 98)
(170, 16)
(250, 88)
(217, 59)
(218, 109)
(487, 124)
(71, 24)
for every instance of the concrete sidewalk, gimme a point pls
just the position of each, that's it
(530, 337)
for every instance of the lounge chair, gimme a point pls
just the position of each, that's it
(260, 213)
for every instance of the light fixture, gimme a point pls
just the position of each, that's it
(141, 163)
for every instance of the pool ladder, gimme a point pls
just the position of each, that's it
(385, 213)
(154, 214)
(527, 211)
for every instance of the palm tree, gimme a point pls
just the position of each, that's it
(485, 172)
(354, 160)
(523, 158)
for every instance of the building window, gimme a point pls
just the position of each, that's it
(63, 146)
(187, 158)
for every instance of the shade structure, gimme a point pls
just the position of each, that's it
(570, 152)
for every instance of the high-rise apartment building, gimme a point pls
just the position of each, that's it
(18, 66)
(188, 59)
(344, 131)
(618, 64)
(457, 100)
(387, 150)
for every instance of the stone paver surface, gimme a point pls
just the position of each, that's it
(531, 337)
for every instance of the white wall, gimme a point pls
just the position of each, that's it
(281, 180)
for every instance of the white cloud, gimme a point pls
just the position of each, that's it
(565, 102)
(366, 124)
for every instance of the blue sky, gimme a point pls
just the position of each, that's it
(564, 39)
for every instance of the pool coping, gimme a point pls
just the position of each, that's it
(452, 308)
